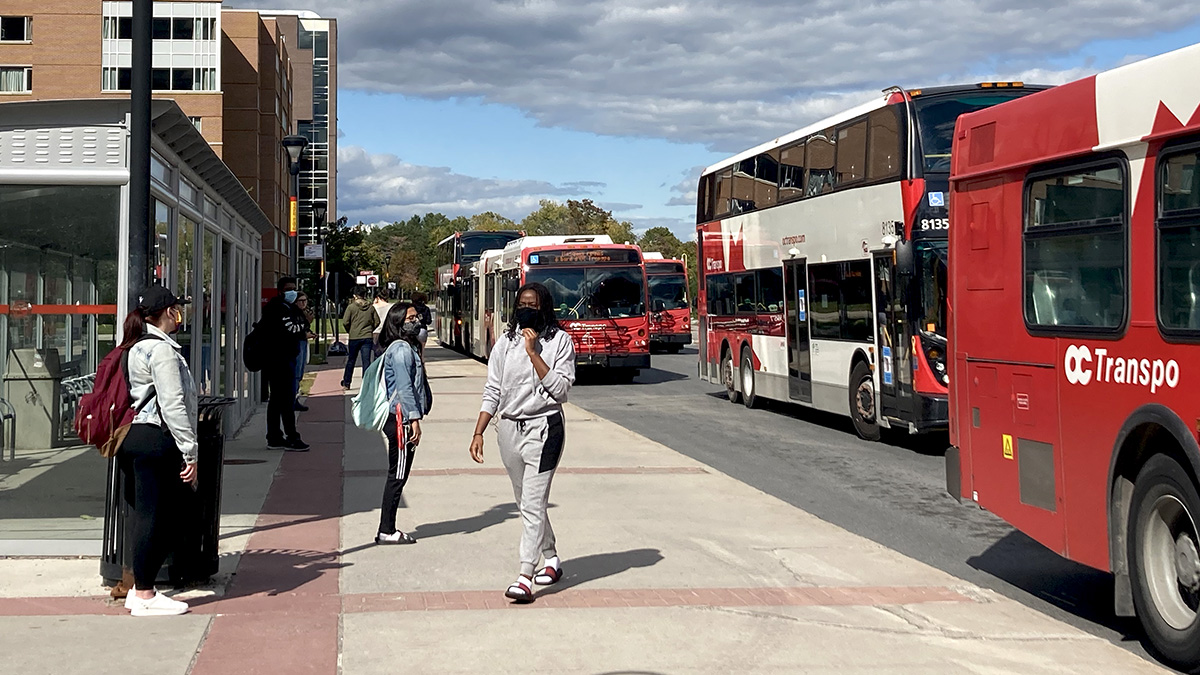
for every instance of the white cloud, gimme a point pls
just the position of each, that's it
(685, 190)
(383, 188)
(727, 74)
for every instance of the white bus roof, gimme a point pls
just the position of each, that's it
(652, 256)
(554, 240)
(803, 132)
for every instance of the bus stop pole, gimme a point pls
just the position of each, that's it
(140, 272)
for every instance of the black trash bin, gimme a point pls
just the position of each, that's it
(194, 557)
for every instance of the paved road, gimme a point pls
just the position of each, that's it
(892, 492)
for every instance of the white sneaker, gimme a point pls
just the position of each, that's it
(159, 605)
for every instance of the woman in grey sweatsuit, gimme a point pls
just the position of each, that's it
(530, 371)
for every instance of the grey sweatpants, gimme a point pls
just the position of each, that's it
(530, 450)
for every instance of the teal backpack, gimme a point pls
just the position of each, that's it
(370, 408)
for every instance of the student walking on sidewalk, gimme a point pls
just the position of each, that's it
(409, 400)
(359, 320)
(530, 371)
(159, 451)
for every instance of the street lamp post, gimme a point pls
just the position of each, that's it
(294, 145)
(318, 236)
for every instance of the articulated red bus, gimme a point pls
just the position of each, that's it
(823, 261)
(599, 291)
(670, 311)
(455, 255)
(1075, 329)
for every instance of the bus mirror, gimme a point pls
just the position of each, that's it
(904, 258)
(511, 285)
(659, 305)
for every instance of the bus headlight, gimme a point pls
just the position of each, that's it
(934, 346)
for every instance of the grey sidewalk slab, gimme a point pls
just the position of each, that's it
(100, 645)
(630, 529)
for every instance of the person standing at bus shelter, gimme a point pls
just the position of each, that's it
(359, 320)
(530, 371)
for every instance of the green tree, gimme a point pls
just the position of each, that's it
(662, 240)
(550, 218)
(490, 221)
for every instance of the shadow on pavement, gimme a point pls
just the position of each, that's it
(1071, 587)
(578, 571)
(275, 572)
(493, 516)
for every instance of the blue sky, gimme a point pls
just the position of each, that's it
(462, 106)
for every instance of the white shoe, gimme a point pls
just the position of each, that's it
(159, 605)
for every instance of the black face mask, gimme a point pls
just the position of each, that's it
(411, 328)
(528, 317)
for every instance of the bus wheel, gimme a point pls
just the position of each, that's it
(863, 408)
(1164, 555)
(727, 377)
(749, 393)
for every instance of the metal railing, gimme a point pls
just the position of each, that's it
(73, 389)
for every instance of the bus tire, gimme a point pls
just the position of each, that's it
(864, 404)
(1164, 567)
(749, 390)
(727, 375)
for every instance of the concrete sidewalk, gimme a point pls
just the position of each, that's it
(670, 567)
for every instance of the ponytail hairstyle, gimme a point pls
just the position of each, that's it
(135, 326)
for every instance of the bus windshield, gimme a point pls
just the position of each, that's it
(474, 246)
(936, 116)
(593, 292)
(931, 276)
(670, 289)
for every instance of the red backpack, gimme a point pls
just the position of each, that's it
(104, 415)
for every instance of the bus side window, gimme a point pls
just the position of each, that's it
(743, 187)
(770, 290)
(1075, 267)
(719, 294)
(883, 153)
(724, 193)
(852, 153)
(746, 293)
(704, 199)
(1178, 241)
(766, 178)
(819, 162)
(791, 171)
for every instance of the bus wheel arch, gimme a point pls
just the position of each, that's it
(863, 399)
(1154, 543)
(728, 377)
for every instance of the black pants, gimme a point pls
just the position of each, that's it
(364, 347)
(150, 464)
(281, 406)
(397, 475)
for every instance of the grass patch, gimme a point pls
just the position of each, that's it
(306, 383)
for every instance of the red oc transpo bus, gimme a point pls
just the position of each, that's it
(455, 255)
(670, 311)
(599, 291)
(1075, 329)
(822, 261)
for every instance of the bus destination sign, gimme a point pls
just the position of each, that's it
(585, 256)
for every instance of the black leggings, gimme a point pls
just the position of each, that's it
(397, 475)
(150, 463)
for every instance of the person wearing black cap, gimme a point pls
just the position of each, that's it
(160, 450)
(286, 326)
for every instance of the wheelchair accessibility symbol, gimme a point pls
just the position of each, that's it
(937, 199)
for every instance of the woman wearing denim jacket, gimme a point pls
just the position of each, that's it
(160, 450)
(409, 399)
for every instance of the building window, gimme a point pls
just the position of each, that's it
(117, 79)
(1075, 267)
(1179, 243)
(183, 29)
(16, 29)
(16, 79)
(160, 29)
(160, 170)
(197, 122)
(206, 29)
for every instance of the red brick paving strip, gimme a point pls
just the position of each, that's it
(657, 597)
(286, 586)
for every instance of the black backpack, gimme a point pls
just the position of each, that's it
(254, 348)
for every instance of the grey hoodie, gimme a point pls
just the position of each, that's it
(513, 390)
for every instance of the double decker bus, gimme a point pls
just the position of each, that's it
(599, 291)
(822, 261)
(670, 311)
(455, 255)
(1075, 329)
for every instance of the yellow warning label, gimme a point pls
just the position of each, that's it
(1008, 446)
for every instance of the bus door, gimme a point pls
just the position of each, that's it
(892, 342)
(795, 273)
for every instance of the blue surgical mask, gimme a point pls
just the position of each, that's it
(290, 296)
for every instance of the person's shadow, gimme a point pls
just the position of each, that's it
(578, 571)
(493, 516)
